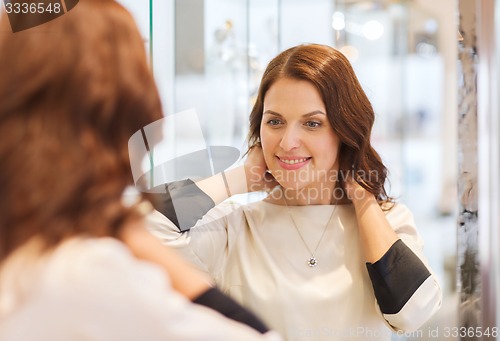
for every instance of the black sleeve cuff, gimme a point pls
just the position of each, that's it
(182, 202)
(396, 276)
(215, 299)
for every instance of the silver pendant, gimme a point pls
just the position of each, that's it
(312, 262)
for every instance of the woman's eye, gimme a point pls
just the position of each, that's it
(274, 122)
(312, 124)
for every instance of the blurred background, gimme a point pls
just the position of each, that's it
(209, 55)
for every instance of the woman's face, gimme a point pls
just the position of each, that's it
(298, 142)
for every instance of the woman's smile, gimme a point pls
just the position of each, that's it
(292, 163)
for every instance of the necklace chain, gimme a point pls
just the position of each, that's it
(312, 261)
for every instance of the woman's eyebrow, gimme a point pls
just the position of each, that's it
(270, 112)
(315, 112)
(312, 113)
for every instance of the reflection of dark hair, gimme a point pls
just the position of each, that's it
(72, 92)
(348, 108)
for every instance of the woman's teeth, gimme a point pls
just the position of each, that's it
(292, 162)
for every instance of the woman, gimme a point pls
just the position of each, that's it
(76, 262)
(327, 255)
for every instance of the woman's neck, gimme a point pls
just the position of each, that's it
(307, 196)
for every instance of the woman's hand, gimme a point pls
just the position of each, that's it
(252, 176)
(355, 192)
(257, 175)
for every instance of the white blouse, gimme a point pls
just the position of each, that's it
(94, 289)
(256, 255)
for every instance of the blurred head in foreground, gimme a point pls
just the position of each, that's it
(72, 92)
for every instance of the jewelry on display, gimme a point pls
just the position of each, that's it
(312, 261)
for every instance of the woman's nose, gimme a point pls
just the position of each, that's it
(290, 139)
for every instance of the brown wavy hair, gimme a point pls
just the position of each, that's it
(349, 111)
(72, 93)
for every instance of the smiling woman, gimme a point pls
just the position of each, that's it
(327, 255)
(332, 85)
(298, 143)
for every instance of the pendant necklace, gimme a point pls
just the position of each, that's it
(312, 261)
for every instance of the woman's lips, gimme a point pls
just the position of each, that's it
(292, 163)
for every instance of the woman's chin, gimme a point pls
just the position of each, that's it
(291, 186)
